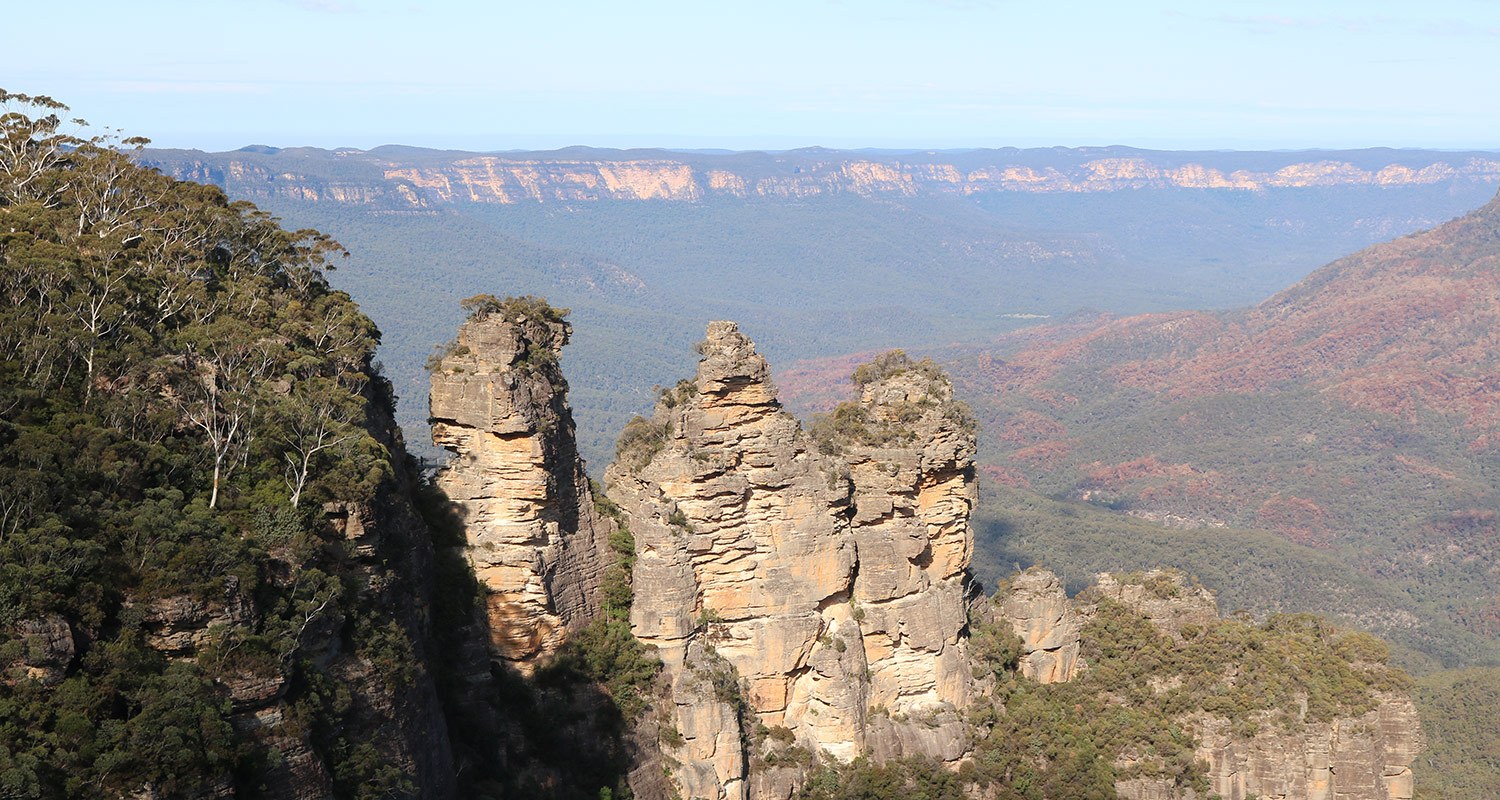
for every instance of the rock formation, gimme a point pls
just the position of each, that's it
(46, 651)
(807, 590)
(1036, 606)
(1168, 598)
(791, 586)
(534, 539)
(1368, 757)
(1363, 757)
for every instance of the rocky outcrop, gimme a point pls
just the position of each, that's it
(1362, 757)
(179, 626)
(790, 586)
(533, 537)
(1041, 613)
(1368, 757)
(43, 651)
(1168, 598)
(912, 471)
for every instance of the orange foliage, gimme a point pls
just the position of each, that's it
(1044, 454)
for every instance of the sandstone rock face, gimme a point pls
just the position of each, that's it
(178, 626)
(1165, 597)
(1043, 616)
(1360, 758)
(464, 178)
(910, 523)
(47, 650)
(794, 588)
(1367, 757)
(534, 539)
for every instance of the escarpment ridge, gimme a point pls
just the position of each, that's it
(414, 178)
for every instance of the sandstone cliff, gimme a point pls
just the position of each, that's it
(1260, 753)
(533, 537)
(413, 179)
(787, 586)
(1036, 606)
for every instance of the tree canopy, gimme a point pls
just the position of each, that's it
(180, 393)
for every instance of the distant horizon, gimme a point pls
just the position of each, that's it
(876, 149)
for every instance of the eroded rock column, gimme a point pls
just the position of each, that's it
(797, 584)
(535, 541)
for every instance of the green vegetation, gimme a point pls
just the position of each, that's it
(1064, 740)
(674, 396)
(533, 314)
(1246, 569)
(640, 441)
(1458, 713)
(181, 392)
(606, 652)
(512, 309)
(994, 648)
(892, 363)
(1290, 669)
(910, 778)
(854, 423)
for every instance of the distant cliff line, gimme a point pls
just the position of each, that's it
(414, 178)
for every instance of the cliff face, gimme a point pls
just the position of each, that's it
(1361, 756)
(533, 537)
(417, 179)
(1040, 612)
(1368, 757)
(790, 588)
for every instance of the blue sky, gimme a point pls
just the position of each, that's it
(218, 74)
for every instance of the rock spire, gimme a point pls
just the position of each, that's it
(814, 587)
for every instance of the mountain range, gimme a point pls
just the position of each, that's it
(820, 252)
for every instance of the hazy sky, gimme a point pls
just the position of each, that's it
(218, 74)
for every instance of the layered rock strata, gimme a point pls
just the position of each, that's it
(1368, 757)
(421, 181)
(787, 586)
(533, 537)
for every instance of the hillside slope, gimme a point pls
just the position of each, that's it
(1355, 412)
(212, 582)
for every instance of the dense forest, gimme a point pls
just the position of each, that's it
(183, 398)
